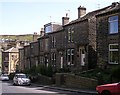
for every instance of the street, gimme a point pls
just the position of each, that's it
(9, 89)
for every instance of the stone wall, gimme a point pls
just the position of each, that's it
(104, 38)
(41, 79)
(74, 81)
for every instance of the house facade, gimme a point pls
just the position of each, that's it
(57, 49)
(73, 46)
(43, 50)
(79, 45)
(80, 41)
(10, 59)
(108, 36)
(27, 56)
(34, 53)
(21, 59)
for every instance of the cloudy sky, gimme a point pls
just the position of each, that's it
(29, 16)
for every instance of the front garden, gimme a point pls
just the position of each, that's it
(108, 75)
(46, 75)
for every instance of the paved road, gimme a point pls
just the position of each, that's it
(9, 89)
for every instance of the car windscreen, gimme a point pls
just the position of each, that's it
(21, 76)
(4, 75)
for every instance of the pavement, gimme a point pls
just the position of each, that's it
(87, 91)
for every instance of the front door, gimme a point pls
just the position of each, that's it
(46, 61)
(61, 62)
(82, 56)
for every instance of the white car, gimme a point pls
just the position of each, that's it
(21, 79)
(4, 77)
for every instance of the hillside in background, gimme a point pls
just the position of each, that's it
(8, 41)
(28, 37)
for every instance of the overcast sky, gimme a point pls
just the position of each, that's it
(29, 16)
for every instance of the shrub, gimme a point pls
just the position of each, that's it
(49, 71)
(45, 70)
(33, 70)
(26, 70)
(116, 73)
(40, 69)
(64, 70)
(11, 75)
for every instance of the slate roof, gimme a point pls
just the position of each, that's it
(112, 7)
(13, 49)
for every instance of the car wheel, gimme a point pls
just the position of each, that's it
(29, 84)
(18, 83)
(14, 84)
(106, 93)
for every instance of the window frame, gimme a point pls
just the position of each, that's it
(70, 56)
(53, 41)
(112, 50)
(46, 44)
(53, 59)
(113, 21)
(71, 34)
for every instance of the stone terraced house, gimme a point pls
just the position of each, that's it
(108, 36)
(10, 59)
(76, 45)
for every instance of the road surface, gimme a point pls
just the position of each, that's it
(9, 89)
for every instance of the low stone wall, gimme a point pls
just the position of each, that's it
(74, 81)
(42, 80)
(60, 79)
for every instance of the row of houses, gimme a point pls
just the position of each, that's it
(93, 39)
(9, 50)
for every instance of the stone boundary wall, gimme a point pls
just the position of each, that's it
(74, 81)
(41, 79)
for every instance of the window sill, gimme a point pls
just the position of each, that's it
(113, 33)
(111, 63)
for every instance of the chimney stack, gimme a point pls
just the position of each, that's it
(115, 4)
(35, 36)
(42, 32)
(65, 20)
(81, 11)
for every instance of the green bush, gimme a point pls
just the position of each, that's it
(64, 70)
(102, 75)
(46, 70)
(33, 70)
(40, 69)
(43, 70)
(49, 71)
(26, 70)
(11, 75)
(116, 73)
